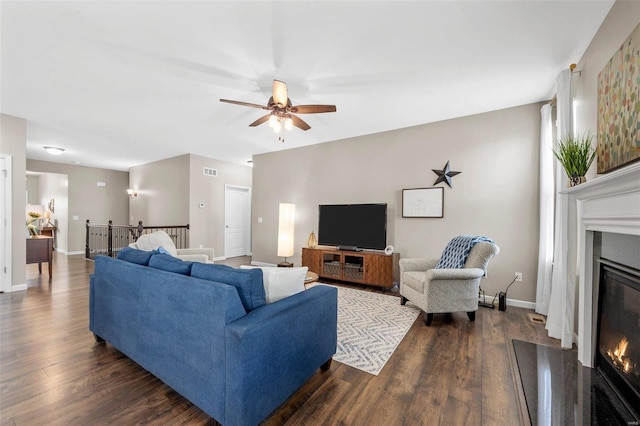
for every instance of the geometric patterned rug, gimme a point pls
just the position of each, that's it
(370, 328)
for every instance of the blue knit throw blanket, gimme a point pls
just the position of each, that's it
(455, 254)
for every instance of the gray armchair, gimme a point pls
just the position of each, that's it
(445, 290)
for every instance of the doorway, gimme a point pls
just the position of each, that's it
(237, 221)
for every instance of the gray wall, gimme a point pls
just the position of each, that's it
(163, 192)
(208, 224)
(622, 19)
(33, 196)
(86, 199)
(13, 142)
(170, 191)
(495, 195)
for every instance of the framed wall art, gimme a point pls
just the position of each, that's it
(423, 202)
(619, 107)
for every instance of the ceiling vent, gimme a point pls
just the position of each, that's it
(208, 171)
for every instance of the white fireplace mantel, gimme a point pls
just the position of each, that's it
(608, 203)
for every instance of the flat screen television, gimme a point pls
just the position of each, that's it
(353, 226)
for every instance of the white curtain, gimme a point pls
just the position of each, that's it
(547, 204)
(560, 316)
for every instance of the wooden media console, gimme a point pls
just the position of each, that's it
(363, 267)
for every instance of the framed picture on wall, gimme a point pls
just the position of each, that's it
(423, 202)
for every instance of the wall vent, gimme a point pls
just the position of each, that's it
(208, 171)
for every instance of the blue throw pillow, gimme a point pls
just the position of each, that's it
(163, 250)
(248, 282)
(132, 255)
(169, 263)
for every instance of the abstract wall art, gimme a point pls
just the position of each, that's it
(619, 107)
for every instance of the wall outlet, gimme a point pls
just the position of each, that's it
(518, 276)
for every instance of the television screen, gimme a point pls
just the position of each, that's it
(356, 225)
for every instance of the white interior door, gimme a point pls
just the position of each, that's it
(237, 219)
(5, 223)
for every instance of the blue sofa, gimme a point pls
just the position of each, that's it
(205, 331)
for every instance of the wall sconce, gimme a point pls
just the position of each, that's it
(132, 194)
(285, 233)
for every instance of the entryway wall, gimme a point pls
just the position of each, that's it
(13, 141)
(5, 223)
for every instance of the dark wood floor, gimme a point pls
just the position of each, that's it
(52, 372)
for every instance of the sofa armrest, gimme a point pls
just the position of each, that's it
(454, 274)
(183, 253)
(273, 350)
(202, 258)
(417, 264)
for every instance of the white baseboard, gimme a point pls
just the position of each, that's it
(521, 304)
(18, 287)
(72, 253)
(512, 302)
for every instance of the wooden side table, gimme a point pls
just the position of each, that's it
(40, 249)
(311, 277)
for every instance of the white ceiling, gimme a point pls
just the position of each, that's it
(118, 84)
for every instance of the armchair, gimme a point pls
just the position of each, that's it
(445, 290)
(158, 239)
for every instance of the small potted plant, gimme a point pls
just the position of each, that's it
(576, 154)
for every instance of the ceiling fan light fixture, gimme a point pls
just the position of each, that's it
(288, 123)
(273, 121)
(277, 127)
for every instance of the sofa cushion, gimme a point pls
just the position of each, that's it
(415, 280)
(140, 257)
(169, 263)
(248, 282)
(281, 282)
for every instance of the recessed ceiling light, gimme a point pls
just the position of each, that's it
(53, 150)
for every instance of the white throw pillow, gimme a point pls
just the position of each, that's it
(281, 282)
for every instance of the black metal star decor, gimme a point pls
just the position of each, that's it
(445, 175)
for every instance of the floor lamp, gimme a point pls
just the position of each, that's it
(285, 233)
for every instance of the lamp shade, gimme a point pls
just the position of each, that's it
(285, 229)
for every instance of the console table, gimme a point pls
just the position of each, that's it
(40, 249)
(50, 231)
(363, 267)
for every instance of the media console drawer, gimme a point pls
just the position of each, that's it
(363, 267)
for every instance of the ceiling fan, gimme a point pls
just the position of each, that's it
(282, 112)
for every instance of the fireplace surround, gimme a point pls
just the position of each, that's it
(608, 203)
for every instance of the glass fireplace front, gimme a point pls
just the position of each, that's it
(618, 355)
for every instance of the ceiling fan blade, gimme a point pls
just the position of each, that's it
(313, 109)
(260, 120)
(244, 104)
(299, 123)
(280, 95)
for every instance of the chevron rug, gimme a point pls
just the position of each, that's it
(370, 328)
